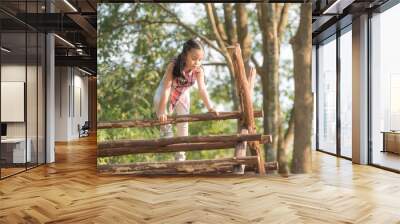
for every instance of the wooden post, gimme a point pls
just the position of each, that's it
(241, 148)
(251, 76)
(240, 151)
(246, 103)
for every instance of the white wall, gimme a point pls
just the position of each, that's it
(13, 99)
(61, 103)
(33, 126)
(71, 94)
(12, 73)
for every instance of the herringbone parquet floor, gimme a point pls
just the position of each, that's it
(70, 191)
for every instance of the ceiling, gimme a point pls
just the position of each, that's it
(73, 21)
(330, 15)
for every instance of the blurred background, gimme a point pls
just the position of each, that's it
(136, 42)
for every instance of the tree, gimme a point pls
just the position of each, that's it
(152, 33)
(303, 99)
(272, 23)
(272, 20)
(135, 42)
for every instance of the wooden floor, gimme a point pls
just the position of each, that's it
(10, 171)
(387, 159)
(70, 191)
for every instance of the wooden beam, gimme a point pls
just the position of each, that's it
(179, 167)
(269, 166)
(162, 149)
(84, 24)
(184, 139)
(240, 151)
(246, 103)
(174, 119)
(104, 152)
(242, 86)
(251, 76)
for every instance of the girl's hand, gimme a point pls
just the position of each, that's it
(162, 118)
(212, 110)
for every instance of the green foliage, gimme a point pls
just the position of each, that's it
(134, 49)
(286, 90)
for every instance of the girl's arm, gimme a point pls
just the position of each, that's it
(166, 89)
(203, 91)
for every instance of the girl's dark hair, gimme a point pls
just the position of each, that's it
(181, 59)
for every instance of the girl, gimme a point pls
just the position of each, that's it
(180, 75)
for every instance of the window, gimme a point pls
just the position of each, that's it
(385, 84)
(327, 96)
(22, 75)
(346, 92)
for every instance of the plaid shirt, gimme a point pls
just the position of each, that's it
(179, 86)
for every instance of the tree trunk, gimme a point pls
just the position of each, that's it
(303, 100)
(242, 85)
(229, 25)
(270, 77)
(285, 139)
(243, 34)
(219, 34)
(233, 92)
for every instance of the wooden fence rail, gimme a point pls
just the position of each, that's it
(179, 167)
(176, 144)
(247, 138)
(173, 120)
(184, 139)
